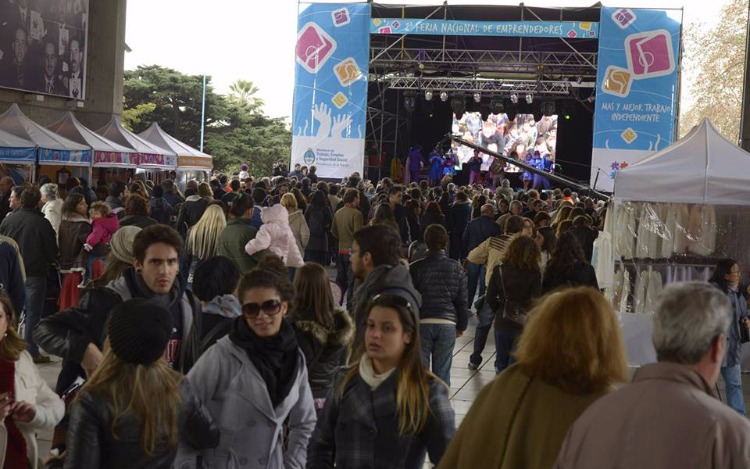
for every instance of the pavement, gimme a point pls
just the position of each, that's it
(465, 383)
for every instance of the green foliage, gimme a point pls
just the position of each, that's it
(718, 58)
(132, 117)
(236, 129)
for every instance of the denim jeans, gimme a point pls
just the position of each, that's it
(36, 289)
(506, 339)
(437, 342)
(344, 276)
(733, 386)
(475, 277)
(485, 316)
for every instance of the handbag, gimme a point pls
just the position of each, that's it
(515, 312)
(744, 332)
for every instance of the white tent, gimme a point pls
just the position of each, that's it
(701, 168)
(106, 152)
(150, 156)
(188, 157)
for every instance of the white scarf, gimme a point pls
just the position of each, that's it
(367, 372)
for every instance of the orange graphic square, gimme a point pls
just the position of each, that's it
(617, 81)
(339, 100)
(629, 135)
(347, 71)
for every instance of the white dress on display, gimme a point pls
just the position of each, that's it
(682, 220)
(702, 228)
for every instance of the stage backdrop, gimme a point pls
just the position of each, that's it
(637, 88)
(330, 90)
(43, 47)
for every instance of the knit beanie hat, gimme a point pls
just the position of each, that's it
(139, 331)
(121, 243)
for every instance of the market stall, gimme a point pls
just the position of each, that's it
(17, 156)
(111, 161)
(191, 163)
(57, 156)
(675, 214)
(154, 160)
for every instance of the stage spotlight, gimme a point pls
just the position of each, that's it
(529, 98)
(428, 95)
(477, 97)
(443, 96)
(458, 106)
(410, 103)
(497, 106)
(514, 98)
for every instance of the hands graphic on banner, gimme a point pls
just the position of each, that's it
(340, 123)
(328, 126)
(322, 114)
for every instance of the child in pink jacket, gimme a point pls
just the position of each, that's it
(276, 236)
(104, 224)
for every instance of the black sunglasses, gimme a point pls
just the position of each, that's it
(269, 308)
(390, 297)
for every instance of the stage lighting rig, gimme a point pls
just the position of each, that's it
(529, 98)
(428, 95)
(514, 98)
(477, 97)
(443, 96)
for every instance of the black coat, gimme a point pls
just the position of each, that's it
(478, 230)
(319, 222)
(458, 219)
(326, 351)
(190, 212)
(513, 291)
(35, 237)
(161, 210)
(91, 443)
(442, 283)
(582, 274)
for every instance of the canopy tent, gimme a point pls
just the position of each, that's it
(187, 157)
(16, 150)
(106, 152)
(149, 156)
(52, 149)
(701, 168)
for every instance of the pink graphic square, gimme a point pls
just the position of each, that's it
(572, 34)
(385, 30)
(649, 54)
(341, 17)
(314, 47)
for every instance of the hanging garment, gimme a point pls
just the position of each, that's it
(702, 230)
(647, 235)
(641, 287)
(625, 229)
(682, 219)
(668, 239)
(603, 260)
(653, 290)
(617, 290)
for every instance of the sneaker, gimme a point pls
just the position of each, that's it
(41, 359)
(473, 366)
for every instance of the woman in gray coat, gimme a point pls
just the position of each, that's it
(254, 381)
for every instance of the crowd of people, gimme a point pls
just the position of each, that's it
(202, 329)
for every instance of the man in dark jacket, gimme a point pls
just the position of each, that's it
(444, 314)
(395, 196)
(191, 211)
(78, 334)
(376, 260)
(115, 198)
(37, 242)
(477, 231)
(458, 218)
(170, 193)
(160, 209)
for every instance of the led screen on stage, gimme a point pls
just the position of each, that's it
(43, 46)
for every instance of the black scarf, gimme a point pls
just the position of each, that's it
(274, 357)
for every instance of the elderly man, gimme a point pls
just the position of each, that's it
(668, 416)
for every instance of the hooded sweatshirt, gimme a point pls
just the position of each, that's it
(276, 236)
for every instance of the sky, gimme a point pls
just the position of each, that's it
(254, 40)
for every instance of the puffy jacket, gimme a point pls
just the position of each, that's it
(35, 237)
(442, 283)
(326, 350)
(91, 444)
(276, 236)
(232, 243)
(103, 229)
(299, 228)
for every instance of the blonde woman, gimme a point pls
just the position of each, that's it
(27, 404)
(388, 410)
(203, 239)
(570, 354)
(297, 221)
(134, 408)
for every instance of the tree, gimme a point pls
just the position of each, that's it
(236, 130)
(718, 58)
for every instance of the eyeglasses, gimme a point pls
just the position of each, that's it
(269, 308)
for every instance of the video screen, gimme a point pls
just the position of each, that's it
(520, 138)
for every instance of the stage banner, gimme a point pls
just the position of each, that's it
(636, 88)
(330, 89)
(558, 29)
(43, 46)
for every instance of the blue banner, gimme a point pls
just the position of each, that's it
(64, 157)
(17, 155)
(330, 90)
(559, 29)
(636, 88)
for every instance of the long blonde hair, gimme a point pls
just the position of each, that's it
(413, 381)
(203, 238)
(150, 392)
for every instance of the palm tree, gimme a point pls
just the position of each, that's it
(243, 93)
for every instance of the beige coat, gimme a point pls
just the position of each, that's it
(489, 253)
(667, 418)
(31, 388)
(515, 422)
(300, 230)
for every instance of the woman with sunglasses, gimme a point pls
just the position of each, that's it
(388, 410)
(254, 381)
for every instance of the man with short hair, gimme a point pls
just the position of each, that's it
(75, 74)
(347, 220)
(15, 72)
(376, 260)
(37, 243)
(116, 199)
(297, 172)
(444, 314)
(50, 82)
(395, 196)
(668, 416)
(515, 209)
(478, 231)
(77, 334)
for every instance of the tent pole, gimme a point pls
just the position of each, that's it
(203, 112)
